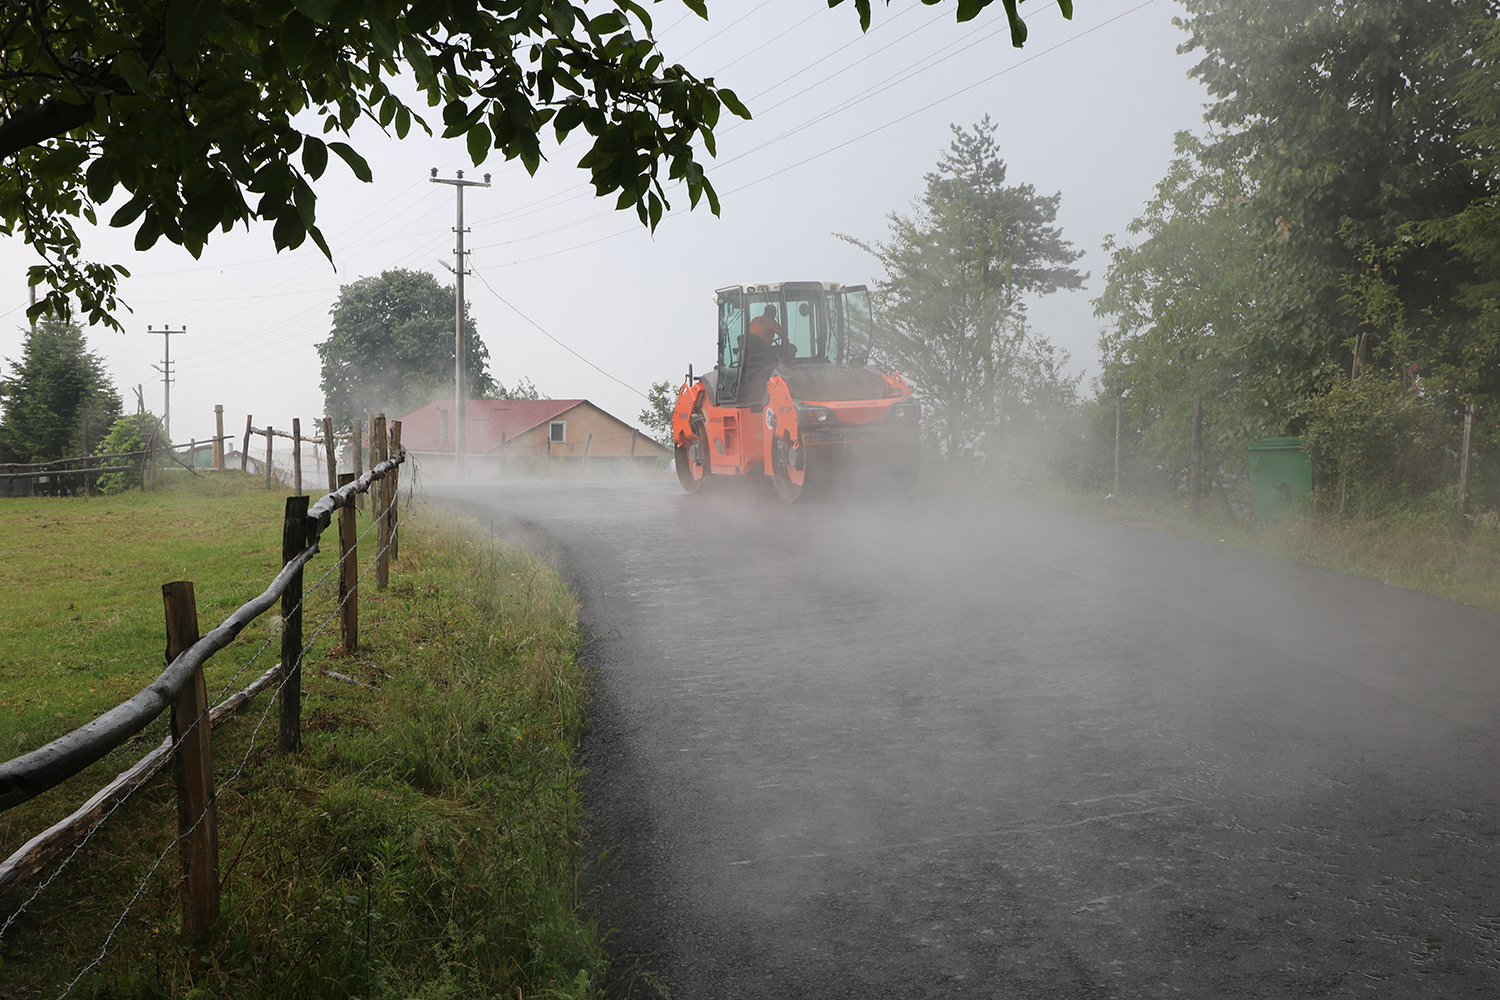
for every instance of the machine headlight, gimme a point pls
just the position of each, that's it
(817, 415)
(908, 410)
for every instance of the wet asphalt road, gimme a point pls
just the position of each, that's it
(940, 748)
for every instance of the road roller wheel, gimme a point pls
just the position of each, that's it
(789, 468)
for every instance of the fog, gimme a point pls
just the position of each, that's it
(938, 746)
(846, 125)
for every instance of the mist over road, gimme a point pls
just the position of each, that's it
(943, 748)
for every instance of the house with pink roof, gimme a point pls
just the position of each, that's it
(508, 437)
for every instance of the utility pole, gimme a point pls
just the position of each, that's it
(166, 375)
(460, 389)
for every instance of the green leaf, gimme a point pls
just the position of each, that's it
(1017, 26)
(316, 10)
(478, 141)
(733, 103)
(297, 37)
(187, 22)
(403, 122)
(314, 156)
(699, 7)
(1066, 6)
(101, 180)
(607, 24)
(129, 212)
(130, 68)
(354, 160)
(149, 233)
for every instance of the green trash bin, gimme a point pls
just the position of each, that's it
(1279, 471)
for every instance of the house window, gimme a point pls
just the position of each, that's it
(558, 432)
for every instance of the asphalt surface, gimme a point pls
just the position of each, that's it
(941, 748)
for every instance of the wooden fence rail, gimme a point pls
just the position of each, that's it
(27, 776)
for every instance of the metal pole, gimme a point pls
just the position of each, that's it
(1197, 451)
(1119, 422)
(166, 376)
(460, 381)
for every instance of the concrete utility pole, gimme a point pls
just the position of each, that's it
(460, 387)
(166, 375)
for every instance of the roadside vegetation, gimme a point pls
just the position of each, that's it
(422, 843)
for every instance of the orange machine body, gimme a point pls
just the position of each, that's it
(801, 407)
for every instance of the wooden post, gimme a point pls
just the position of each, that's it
(297, 455)
(331, 454)
(379, 502)
(348, 573)
(218, 449)
(197, 819)
(356, 442)
(584, 465)
(634, 433)
(1196, 456)
(395, 493)
(269, 430)
(245, 448)
(293, 541)
(1470, 413)
(1119, 423)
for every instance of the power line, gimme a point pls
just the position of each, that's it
(580, 357)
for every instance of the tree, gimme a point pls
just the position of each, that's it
(523, 388)
(1346, 122)
(391, 348)
(1284, 249)
(657, 415)
(59, 401)
(952, 305)
(192, 107)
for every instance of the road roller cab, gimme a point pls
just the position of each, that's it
(790, 395)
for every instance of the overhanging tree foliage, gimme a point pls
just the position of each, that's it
(58, 399)
(391, 348)
(952, 305)
(190, 106)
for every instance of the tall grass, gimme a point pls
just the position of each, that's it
(422, 843)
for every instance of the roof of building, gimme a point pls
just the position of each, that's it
(488, 420)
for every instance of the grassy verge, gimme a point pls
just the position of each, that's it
(1424, 547)
(422, 843)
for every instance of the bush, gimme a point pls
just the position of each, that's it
(1378, 442)
(132, 433)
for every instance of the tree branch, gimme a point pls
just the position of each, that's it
(34, 124)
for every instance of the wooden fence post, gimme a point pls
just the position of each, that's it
(348, 574)
(293, 541)
(1196, 455)
(218, 451)
(297, 455)
(379, 502)
(357, 443)
(395, 478)
(583, 467)
(245, 448)
(331, 454)
(269, 431)
(197, 819)
(1470, 413)
(1119, 423)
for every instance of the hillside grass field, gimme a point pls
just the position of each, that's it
(423, 842)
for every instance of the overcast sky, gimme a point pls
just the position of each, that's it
(845, 127)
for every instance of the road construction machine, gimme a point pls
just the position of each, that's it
(791, 395)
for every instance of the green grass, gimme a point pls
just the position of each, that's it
(424, 840)
(1423, 546)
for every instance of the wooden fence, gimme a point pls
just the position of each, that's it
(180, 688)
